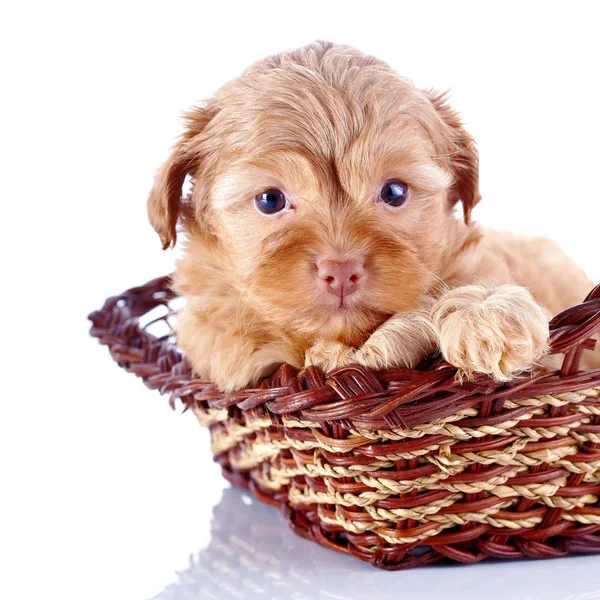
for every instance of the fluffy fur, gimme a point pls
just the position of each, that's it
(329, 126)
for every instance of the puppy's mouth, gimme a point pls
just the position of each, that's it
(348, 305)
(342, 304)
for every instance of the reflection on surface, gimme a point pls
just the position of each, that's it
(252, 554)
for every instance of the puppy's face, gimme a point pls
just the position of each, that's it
(327, 181)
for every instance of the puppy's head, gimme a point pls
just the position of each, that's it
(327, 183)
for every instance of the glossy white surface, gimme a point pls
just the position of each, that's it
(120, 499)
(105, 492)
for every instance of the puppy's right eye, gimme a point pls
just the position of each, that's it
(270, 201)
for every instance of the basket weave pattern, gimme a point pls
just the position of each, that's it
(405, 467)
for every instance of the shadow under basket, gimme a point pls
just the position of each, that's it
(401, 468)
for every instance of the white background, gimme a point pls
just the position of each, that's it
(105, 493)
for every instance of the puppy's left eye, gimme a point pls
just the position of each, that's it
(394, 193)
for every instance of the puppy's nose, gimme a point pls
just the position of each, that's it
(340, 277)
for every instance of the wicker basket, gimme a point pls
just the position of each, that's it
(401, 468)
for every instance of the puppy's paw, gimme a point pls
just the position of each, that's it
(402, 341)
(329, 355)
(499, 331)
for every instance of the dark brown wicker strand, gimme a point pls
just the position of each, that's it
(319, 421)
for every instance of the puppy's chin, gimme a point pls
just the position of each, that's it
(350, 323)
(350, 326)
(345, 319)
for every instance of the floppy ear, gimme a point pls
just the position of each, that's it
(462, 155)
(164, 202)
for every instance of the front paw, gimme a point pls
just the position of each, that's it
(498, 331)
(328, 355)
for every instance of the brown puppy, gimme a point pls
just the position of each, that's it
(321, 230)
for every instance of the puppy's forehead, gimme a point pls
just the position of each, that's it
(346, 130)
(308, 111)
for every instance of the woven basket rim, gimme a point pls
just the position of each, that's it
(352, 396)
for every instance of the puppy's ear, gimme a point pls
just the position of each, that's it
(462, 156)
(164, 202)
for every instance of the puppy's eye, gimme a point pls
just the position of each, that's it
(270, 201)
(394, 193)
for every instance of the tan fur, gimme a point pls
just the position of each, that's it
(328, 126)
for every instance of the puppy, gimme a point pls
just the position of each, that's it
(321, 229)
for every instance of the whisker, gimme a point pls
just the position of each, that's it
(455, 153)
(440, 285)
